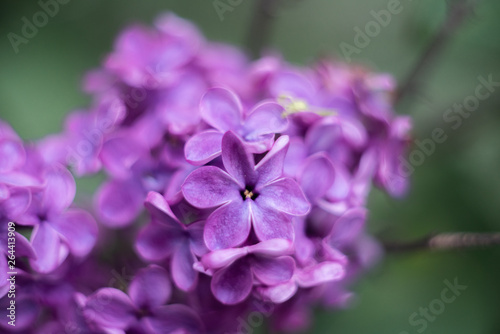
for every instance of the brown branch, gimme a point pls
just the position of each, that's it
(445, 241)
(458, 11)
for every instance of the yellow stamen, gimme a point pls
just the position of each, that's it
(248, 194)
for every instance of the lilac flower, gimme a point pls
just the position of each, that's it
(247, 195)
(222, 109)
(58, 230)
(167, 236)
(236, 269)
(143, 309)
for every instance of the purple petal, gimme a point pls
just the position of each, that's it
(17, 203)
(24, 247)
(317, 176)
(271, 166)
(156, 241)
(196, 238)
(228, 226)
(233, 284)
(271, 224)
(273, 271)
(264, 119)
(110, 308)
(341, 185)
(323, 135)
(203, 147)
(150, 287)
(209, 187)
(319, 274)
(119, 203)
(239, 163)
(119, 153)
(284, 195)
(12, 155)
(222, 258)
(221, 109)
(159, 209)
(185, 277)
(19, 179)
(79, 230)
(272, 247)
(173, 319)
(59, 191)
(48, 249)
(348, 227)
(278, 293)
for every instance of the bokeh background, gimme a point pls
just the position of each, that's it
(457, 188)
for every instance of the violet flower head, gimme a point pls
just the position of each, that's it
(143, 310)
(223, 110)
(247, 195)
(166, 237)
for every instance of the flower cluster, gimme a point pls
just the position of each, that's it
(231, 186)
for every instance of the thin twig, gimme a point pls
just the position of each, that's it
(446, 241)
(261, 26)
(458, 11)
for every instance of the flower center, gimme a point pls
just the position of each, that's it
(249, 194)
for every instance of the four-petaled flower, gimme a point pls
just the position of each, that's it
(248, 195)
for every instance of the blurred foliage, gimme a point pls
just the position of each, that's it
(457, 188)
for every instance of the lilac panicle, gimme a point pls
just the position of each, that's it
(228, 186)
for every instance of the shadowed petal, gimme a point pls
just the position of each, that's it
(157, 241)
(203, 147)
(233, 284)
(79, 230)
(239, 163)
(271, 166)
(185, 277)
(264, 119)
(284, 195)
(221, 109)
(210, 186)
(273, 271)
(173, 319)
(111, 308)
(159, 209)
(197, 243)
(271, 224)
(150, 287)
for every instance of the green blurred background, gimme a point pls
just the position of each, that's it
(457, 188)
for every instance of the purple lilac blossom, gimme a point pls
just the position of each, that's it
(244, 183)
